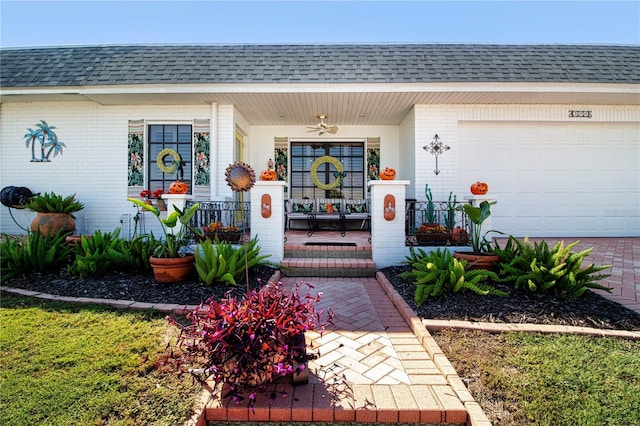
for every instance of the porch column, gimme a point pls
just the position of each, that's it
(269, 230)
(388, 236)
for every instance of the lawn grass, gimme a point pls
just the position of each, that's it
(557, 380)
(65, 364)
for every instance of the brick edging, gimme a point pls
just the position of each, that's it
(475, 415)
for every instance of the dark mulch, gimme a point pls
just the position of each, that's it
(590, 310)
(138, 287)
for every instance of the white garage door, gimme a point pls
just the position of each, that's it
(556, 180)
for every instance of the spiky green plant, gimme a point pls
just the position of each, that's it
(50, 202)
(221, 262)
(439, 272)
(556, 271)
(36, 253)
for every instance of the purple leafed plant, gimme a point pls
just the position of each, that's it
(249, 342)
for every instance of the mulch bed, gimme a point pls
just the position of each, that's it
(590, 310)
(138, 287)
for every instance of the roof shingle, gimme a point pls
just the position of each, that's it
(339, 63)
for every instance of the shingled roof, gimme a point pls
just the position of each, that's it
(339, 63)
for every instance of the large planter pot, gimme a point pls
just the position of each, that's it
(486, 261)
(51, 223)
(172, 269)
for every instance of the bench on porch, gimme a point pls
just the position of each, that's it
(327, 212)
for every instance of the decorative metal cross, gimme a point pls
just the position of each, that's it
(436, 147)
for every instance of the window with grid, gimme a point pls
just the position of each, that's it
(350, 154)
(177, 137)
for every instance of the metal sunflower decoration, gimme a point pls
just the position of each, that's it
(240, 176)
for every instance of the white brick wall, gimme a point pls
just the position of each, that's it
(94, 163)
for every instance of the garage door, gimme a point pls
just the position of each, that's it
(556, 180)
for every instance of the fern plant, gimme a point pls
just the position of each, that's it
(438, 272)
(36, 253)
(556, 271)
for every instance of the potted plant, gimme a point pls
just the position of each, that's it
(250, 342)
(431, 233)
(481, 256)
(171, 262)
(55, 213)
(230, 233)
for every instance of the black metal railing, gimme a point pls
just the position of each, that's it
(226, 220)
(437, 223)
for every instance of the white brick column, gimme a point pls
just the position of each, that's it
(387, 236)
(270, 231)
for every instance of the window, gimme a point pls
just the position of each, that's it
(176, 137)
(350, 154)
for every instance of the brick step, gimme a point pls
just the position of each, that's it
(328, 267)
(327, 252)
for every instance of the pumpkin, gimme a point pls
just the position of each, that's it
(178, 187)
(479, 188)
(268, 175)
(388, 174)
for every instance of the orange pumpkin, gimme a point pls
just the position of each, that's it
(268, 175)
(178, 187)
(479, 188)
(388, 174)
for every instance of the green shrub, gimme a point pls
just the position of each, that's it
(103, 252)
(36, 253)
(439, 272)
(141, 249)
(99, 254)
(220, 262)
(556, 271)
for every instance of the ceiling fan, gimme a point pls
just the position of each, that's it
(322, 127)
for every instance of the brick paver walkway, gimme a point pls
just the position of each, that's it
(372, 367)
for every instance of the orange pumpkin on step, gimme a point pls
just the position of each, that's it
(178, 187)
(268, 175)
(479, 188)
(388, 174)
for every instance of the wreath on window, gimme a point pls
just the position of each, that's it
(176, 160)
(339, 172)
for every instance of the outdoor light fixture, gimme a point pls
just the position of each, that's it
(436, 147)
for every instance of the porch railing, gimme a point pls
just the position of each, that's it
(437, 224)
(225, 219)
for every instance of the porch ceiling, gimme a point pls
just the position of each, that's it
(344, 106)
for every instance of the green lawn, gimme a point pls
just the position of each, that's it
(63, 364)
(553, 380)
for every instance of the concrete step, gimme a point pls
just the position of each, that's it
(328, 267)
(327, 252)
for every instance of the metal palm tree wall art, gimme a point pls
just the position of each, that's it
(44, 134)
(436, 147)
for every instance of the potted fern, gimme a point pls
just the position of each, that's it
(54, 213)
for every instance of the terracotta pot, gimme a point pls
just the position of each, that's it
(459, 236)
(51, 223)
(172, 269)
(161, 205)
(486, 261)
